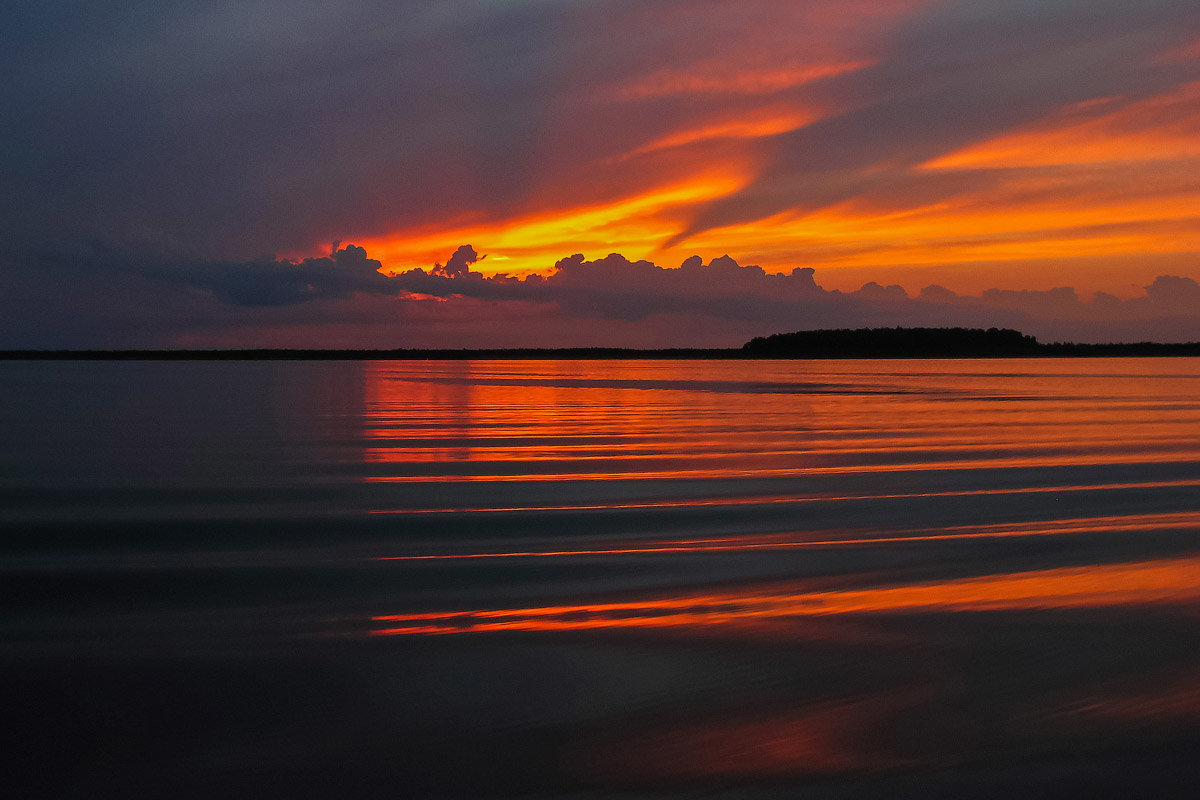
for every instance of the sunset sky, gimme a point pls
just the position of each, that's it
(266, 173)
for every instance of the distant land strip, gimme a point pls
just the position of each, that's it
(825, 343)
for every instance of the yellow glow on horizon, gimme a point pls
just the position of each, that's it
(1100, 179)
(534, 243)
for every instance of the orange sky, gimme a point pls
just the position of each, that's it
(1099, 193)
(178, 174)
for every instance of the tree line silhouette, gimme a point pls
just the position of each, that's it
(895, 342)
(824, 343)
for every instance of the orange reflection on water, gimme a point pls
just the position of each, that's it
(1176, 700)
(827, 739)
(1162, 581)
(1180, 456)
(708, 448)
(538, 421)
(829, 539)
(788, 499)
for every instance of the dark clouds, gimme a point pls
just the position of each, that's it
(153, 298)
(262, 282)
(616, 288)
(459, 264)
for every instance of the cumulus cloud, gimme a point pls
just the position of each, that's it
(1175, 293)
(616, 288)
(631, 302)
(459, 264)
(882, 294)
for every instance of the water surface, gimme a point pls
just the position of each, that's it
(609, 578)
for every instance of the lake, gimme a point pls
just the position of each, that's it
(649, 578)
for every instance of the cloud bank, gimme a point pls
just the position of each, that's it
(613, 300)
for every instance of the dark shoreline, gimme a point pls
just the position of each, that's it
(807, 344)
(1140, 350)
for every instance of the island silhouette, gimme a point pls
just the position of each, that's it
(895, 343)
(822, 343)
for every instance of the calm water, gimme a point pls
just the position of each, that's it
(616, 578)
